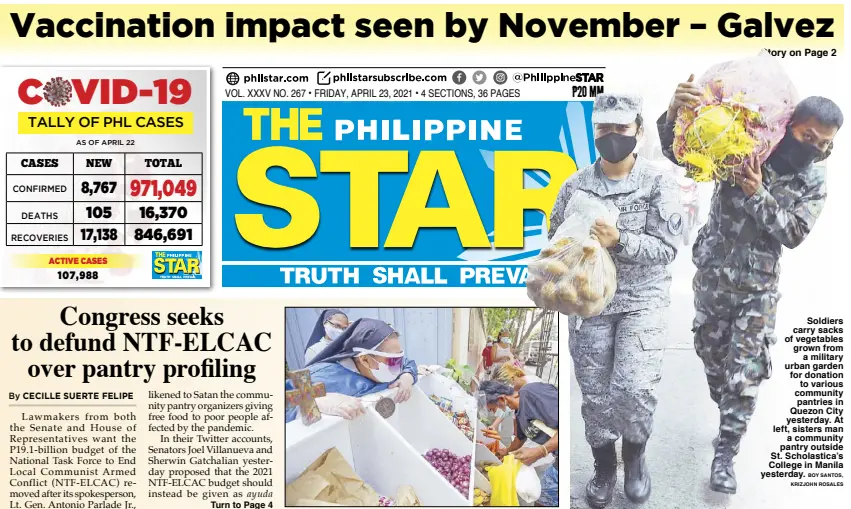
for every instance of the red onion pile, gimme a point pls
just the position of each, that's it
(455, 469)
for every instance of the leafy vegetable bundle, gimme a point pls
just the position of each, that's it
(461, 374)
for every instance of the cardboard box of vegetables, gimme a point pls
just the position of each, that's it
(574, 274)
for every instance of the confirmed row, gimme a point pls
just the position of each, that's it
(67, 188)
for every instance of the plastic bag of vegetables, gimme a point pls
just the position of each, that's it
(503, 479)
(746, 106)
(574, 274)
(528, 484)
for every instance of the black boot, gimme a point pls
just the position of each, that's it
(636, 477)
(601, 487)
(722, 478)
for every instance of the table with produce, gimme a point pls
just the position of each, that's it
(473, 482)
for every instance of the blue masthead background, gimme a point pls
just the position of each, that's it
(558, 126)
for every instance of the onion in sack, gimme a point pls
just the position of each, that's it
(589, 249)
(549, 295)
(588, 293)
(566, 292)
(579, 284)
(592, 308)
(574, 275)
(553, 250)
(534, 283)
(573, 258)
(555, 268)
(587, 290)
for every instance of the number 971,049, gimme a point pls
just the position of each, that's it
(158, 189)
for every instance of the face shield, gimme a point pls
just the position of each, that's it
(482, 404)
(389, 364)
(392, 360)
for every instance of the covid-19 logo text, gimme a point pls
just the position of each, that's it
(60, 91)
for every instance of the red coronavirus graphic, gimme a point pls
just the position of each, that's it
(57, 92)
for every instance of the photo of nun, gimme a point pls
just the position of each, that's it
(366, 358)
(330, 324)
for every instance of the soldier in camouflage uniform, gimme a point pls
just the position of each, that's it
(736, 254)
(617, 356)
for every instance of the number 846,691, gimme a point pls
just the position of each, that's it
(97, 235)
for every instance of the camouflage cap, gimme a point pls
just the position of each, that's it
(616, 108)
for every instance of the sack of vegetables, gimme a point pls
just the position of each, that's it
(743, 115)
(574, 274)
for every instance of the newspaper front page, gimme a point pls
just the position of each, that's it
(290, 255)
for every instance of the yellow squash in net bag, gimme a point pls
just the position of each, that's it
(745, 108)
(717, 139)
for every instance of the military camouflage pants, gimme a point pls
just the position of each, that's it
(732, 334)
(617, 360)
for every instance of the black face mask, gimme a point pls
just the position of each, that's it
(793, 156)
(615, 147)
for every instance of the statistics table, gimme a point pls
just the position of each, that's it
(116, 199)
(107, 175)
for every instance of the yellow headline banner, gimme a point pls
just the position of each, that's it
(75, 261)
(105, 123)
(235, 28)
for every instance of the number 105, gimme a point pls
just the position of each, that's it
(99, 212)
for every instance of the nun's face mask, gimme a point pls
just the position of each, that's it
(335, 326)
(382, 367)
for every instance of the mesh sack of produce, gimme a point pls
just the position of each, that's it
(745, 108)
(574, 274)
